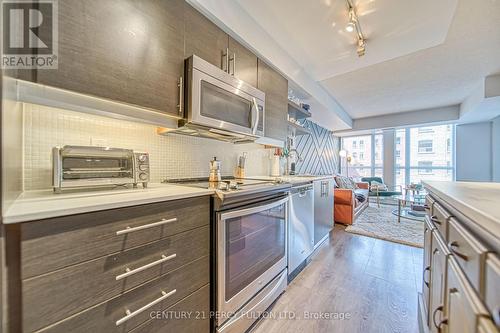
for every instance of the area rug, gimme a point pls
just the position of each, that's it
(381, 223)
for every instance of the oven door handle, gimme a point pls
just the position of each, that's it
(253, 210)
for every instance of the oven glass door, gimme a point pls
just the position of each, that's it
(96, 167)
(253, 250)
(220, 105)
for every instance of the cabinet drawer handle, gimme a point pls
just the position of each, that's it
(232, 60)
(225, 60)
(435, 219)
(452, 246)
(146, 226)
(130, 314)
(129, 271)
(426, 269)
(443, 321)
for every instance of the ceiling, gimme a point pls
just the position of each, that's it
(420, 54)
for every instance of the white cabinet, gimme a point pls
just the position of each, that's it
(464, 308)
(437, 300)
(461, 274)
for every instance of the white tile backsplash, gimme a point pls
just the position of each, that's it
(173, 156)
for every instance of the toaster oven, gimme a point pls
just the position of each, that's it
(88, 167)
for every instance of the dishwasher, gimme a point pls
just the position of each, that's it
(301, 226)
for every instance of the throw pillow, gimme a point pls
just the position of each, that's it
(344, 182)
(352, 183)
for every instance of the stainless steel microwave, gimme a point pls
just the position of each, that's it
(87, 166)
(220, 105)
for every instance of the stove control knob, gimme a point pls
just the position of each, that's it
(142, 158)
(223, 186)
(143, 176)
(143, 167)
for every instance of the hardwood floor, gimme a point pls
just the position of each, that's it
(372, 281)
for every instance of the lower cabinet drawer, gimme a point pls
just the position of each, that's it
(440, 219)
(467, 250)
(134, 307)
(51, 297)
(491, 295)
(429, 204)
(89, 236)
(190, 315)
(465, 309)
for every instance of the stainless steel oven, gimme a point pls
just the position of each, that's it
(251, 260)
(221, 104)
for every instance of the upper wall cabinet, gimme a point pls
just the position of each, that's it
(124, 50)
(212, 44)
(203, 38)
(242, 63)
(276, 88)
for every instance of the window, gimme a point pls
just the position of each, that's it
(363, 150)
(414, 162)
(398, 140)
(425, 146)
(424, 167)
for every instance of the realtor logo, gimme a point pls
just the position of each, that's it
(30, 34)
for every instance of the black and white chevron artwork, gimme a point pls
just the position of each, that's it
(319, 151)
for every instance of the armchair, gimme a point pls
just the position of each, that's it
(376, 191)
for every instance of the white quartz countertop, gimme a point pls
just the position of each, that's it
(480, 202)
(35, 205)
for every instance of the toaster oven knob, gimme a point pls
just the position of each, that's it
(142, 158)
(143, 167)
(143, 176)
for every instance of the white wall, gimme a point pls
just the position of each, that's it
(474, 152)
(495, 147)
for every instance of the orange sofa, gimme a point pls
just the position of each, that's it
(346, 206)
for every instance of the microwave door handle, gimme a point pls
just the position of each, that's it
(255, 109)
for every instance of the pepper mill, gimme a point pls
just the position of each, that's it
(214, 175)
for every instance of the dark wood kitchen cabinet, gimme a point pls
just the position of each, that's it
(203, 38)
(276, 88)
(243, 64)
(206, 40)
(107, 271)
(127, 51)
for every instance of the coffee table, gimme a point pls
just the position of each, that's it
(408, 213)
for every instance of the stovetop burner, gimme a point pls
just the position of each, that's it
(226, 184)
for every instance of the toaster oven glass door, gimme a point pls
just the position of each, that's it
(97, 167)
